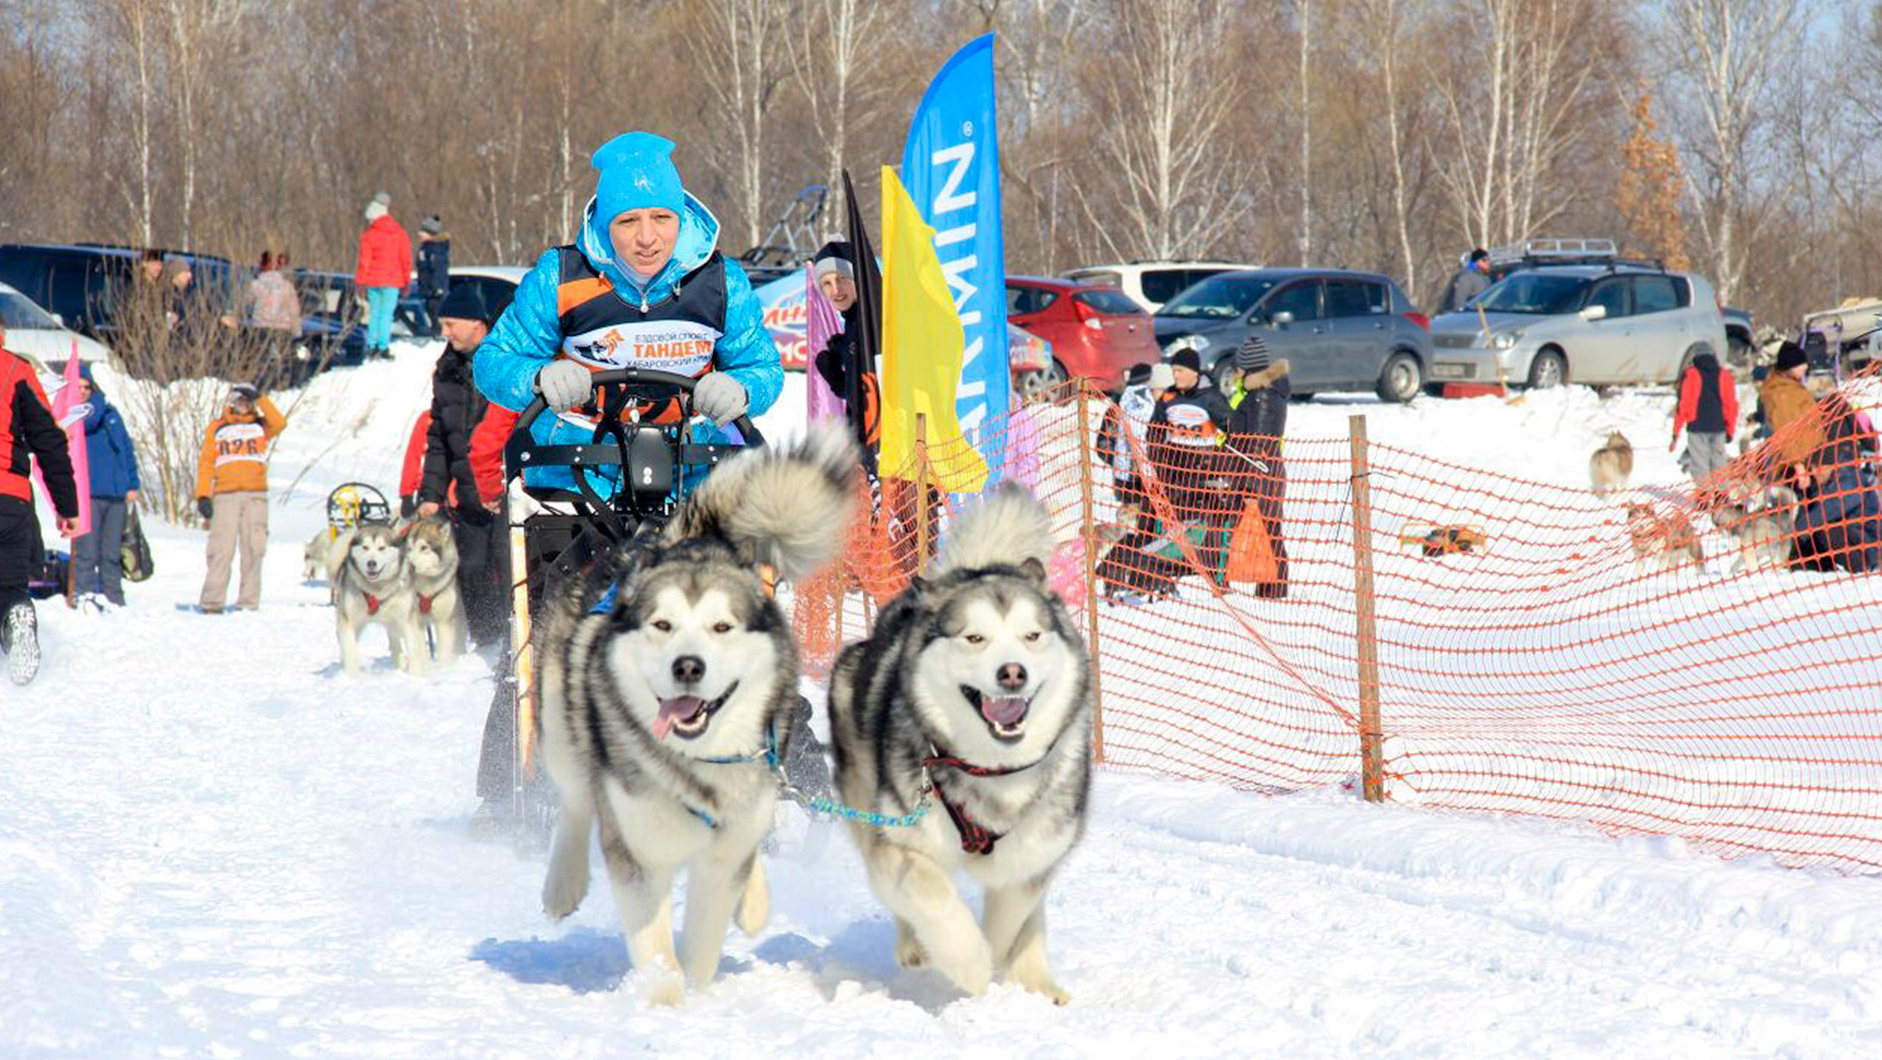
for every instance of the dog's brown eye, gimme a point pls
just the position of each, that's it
(975, 638)
(1033, 637)
(722, 627)
(663, 625)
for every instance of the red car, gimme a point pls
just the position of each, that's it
(1096, 333)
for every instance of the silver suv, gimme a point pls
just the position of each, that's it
(1601, 325)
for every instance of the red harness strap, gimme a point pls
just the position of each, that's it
(424, 603)
(975, 838)
(372, 603)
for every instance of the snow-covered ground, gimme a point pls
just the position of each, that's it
(212, 844)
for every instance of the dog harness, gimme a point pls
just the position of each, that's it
(975, 837)
(372, 603)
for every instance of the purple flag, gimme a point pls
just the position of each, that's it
(821, 321)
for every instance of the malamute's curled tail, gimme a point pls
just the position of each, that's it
(787, 505)
(1007, 528)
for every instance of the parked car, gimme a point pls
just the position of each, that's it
(32, 330)
(1096, 332)
(1339, 330)
(1604, 325)
(491, 281)
(79, 282)
(1152, 283)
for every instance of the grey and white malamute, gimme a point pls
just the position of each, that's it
(371, 586)
(975, 682)
(666, 685)
(431, 559)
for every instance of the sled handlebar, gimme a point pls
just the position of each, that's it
(631, 379)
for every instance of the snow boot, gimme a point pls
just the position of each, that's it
(19, 635)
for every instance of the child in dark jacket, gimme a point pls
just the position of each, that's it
(98, 557)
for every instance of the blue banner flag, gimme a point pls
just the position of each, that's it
(951, 168)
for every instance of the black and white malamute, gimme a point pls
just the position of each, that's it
(977, 684)
(667, 681)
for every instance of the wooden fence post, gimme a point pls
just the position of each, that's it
(1371, 757)
(1088, 526)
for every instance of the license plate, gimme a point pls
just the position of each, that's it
(1447, 371)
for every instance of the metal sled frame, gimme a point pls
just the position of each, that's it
(645, 464)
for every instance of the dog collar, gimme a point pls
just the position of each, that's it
(424, 602)
(372, 603)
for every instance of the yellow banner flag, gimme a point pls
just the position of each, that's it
(922, 349)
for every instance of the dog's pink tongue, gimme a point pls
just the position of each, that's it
(679, 708)
(1003, 711)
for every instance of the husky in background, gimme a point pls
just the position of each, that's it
(431, 557)
(314, 555)
(969, 710)
(1666, 542)
(1762, 535)
(668, 684)
(372, 586)
(1611, 466)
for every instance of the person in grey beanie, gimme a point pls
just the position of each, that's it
(1258, 397)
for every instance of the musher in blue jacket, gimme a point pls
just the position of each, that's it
(643, 286)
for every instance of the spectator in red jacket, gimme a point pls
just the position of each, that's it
(385, 267)
(1708, 413)
(412, 471)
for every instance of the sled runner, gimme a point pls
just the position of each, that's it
(624, 484)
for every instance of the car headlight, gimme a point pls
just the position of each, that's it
(1505, 341)
(1198, 343)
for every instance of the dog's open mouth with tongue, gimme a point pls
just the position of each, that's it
(1005, 715)
(688, 716)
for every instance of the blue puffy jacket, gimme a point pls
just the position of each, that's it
(528, 334)
(108, 450)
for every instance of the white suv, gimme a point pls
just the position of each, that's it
(1602, 325)
(1152, 283)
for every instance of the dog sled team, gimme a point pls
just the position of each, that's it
(666, 675)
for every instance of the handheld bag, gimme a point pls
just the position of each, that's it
(135, 551)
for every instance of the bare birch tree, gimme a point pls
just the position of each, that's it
(1512, 105)
(1163, 112)
(835, 57)
(740, 69)
(1723, 58)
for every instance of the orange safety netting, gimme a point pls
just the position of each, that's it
(1697, 662)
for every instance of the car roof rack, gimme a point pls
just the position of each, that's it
(1544, 249)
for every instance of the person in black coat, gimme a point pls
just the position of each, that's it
(1257, 423)
(27, 431)
(834, 268)
(434, 268)
(457, 406)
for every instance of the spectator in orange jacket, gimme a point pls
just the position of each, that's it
(384, 269)
(1708, 413)
(232, 494)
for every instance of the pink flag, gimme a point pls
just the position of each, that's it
(71, 413)
(821, 320)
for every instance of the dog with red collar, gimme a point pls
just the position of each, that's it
(963, 742)
(373, 586)
(432, 560)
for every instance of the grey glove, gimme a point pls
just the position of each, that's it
(564, 385)
(720, 398)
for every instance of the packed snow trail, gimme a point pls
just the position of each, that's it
(212, 844)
